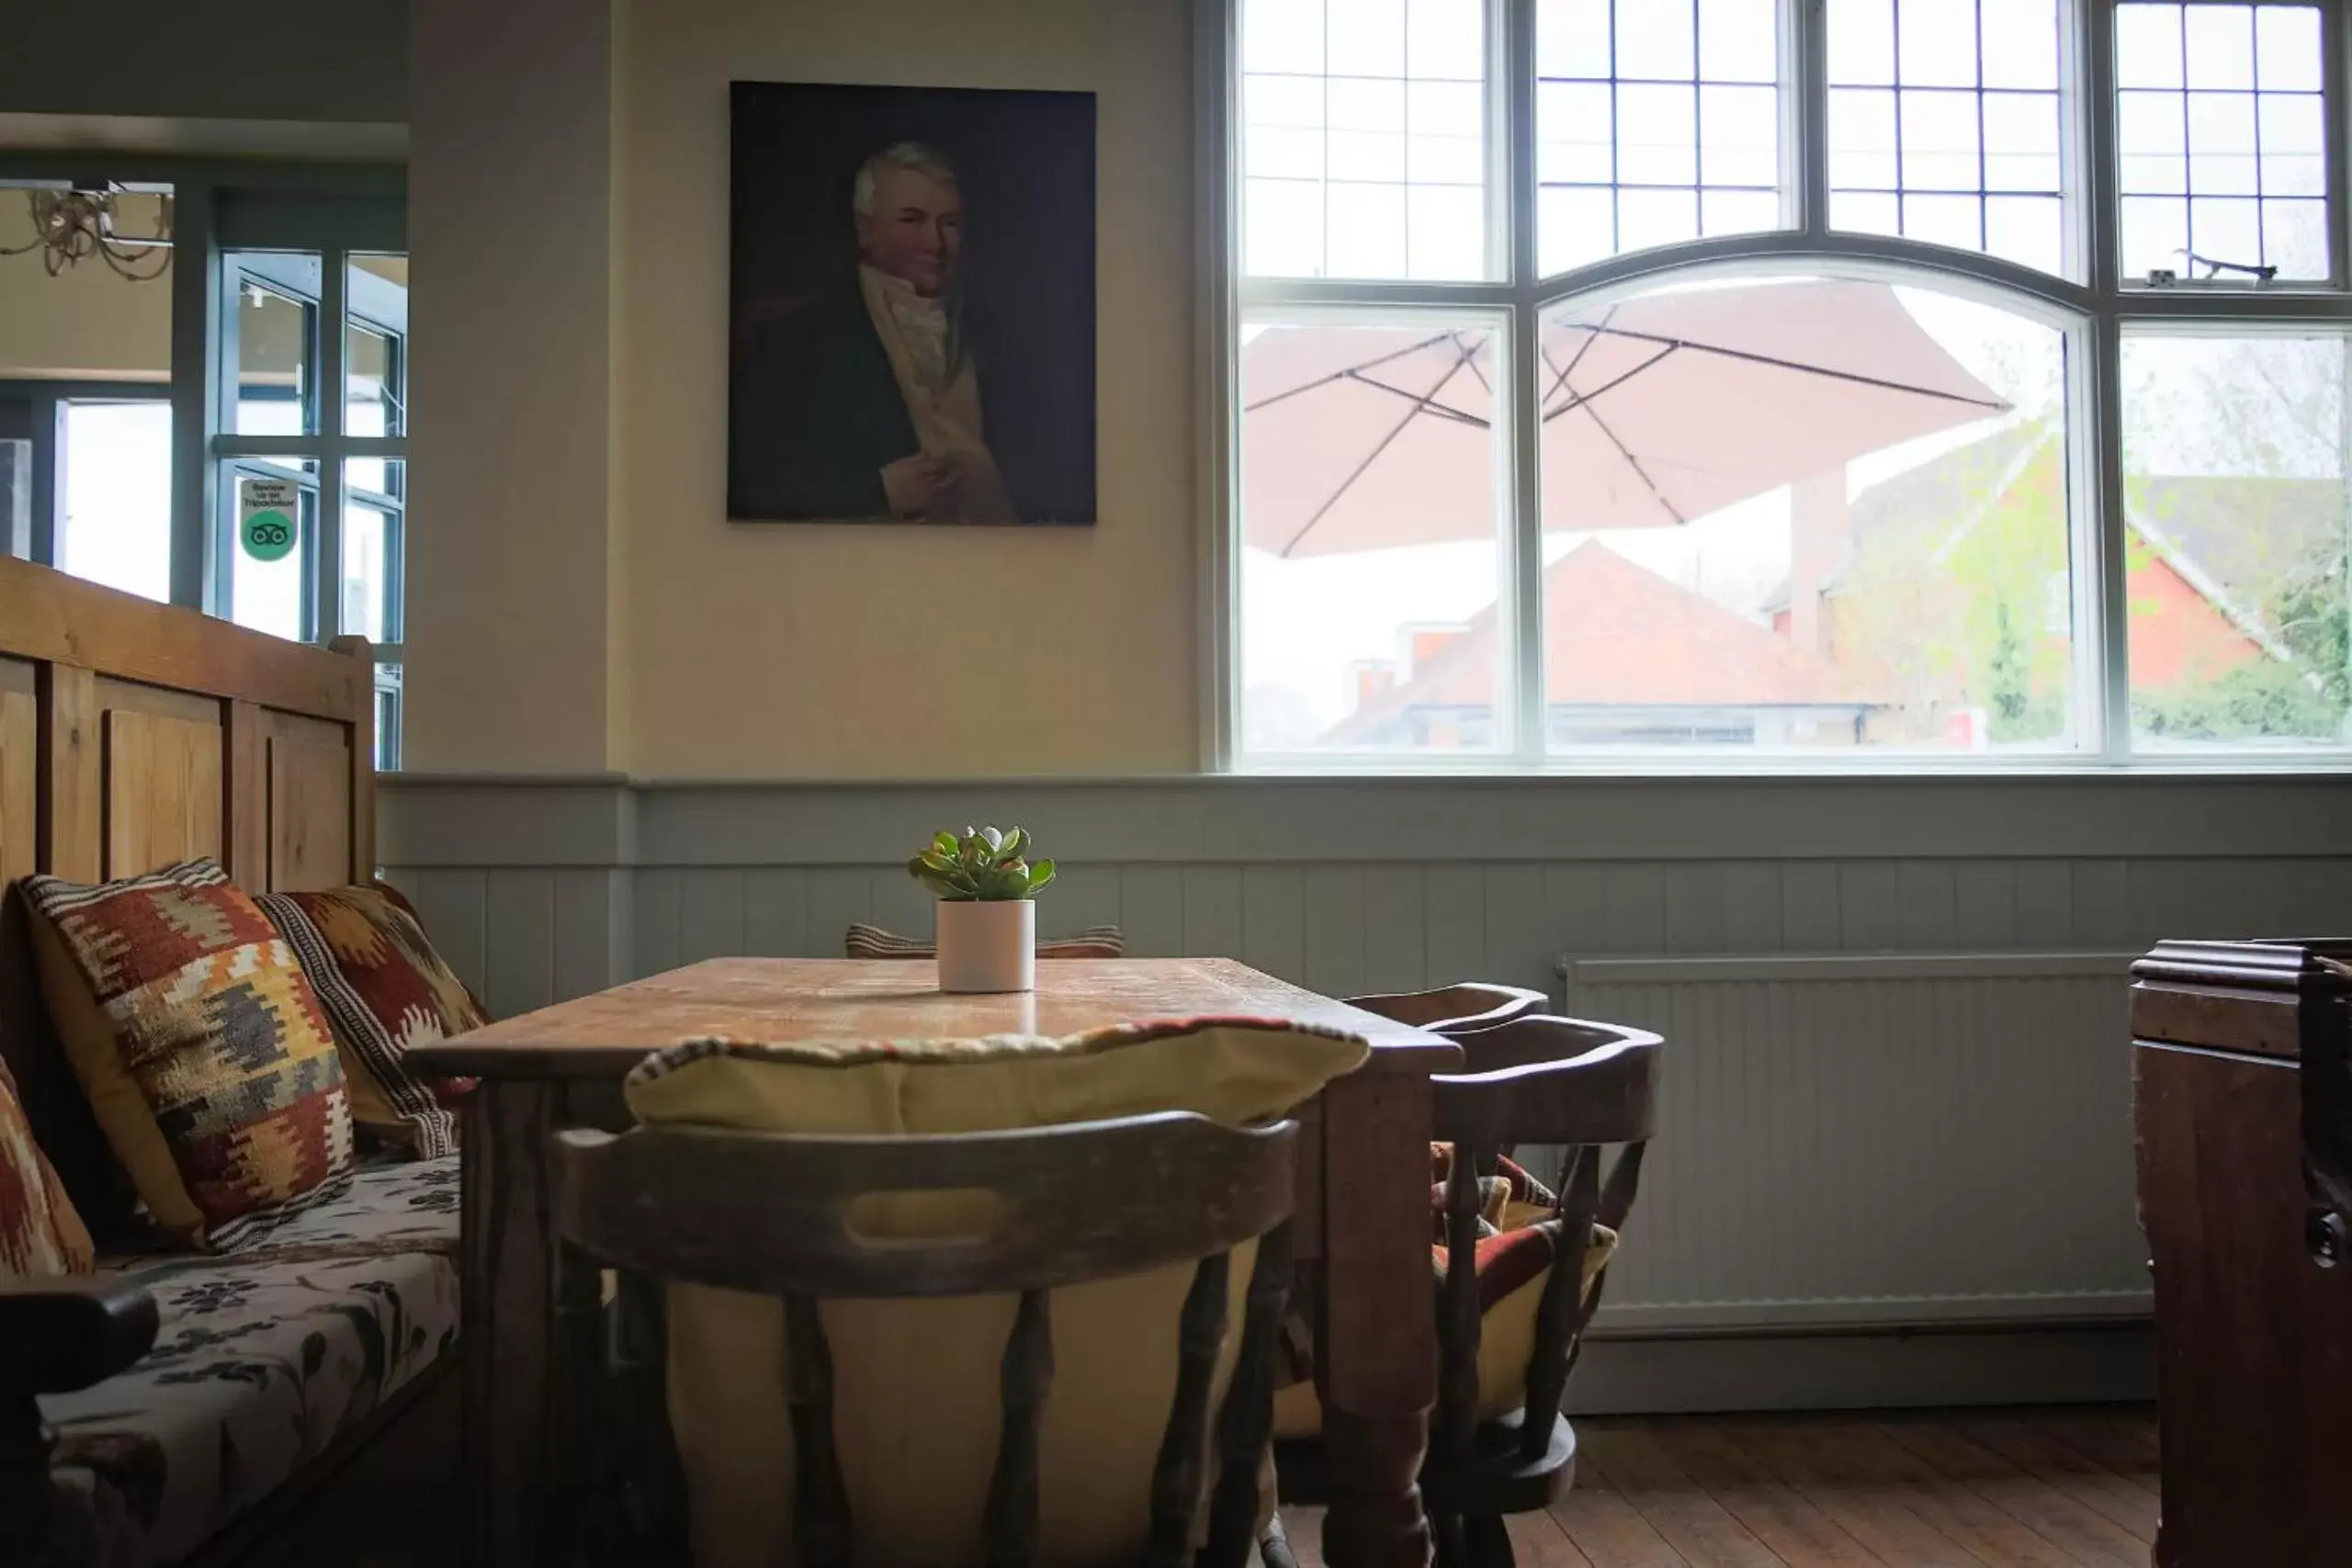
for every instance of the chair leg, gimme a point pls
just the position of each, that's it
(1489, 1543)
(1451, 1541)
(1274, 1547)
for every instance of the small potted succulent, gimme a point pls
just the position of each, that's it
(987, 925)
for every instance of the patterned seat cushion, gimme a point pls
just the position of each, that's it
(261, 1362)
(394, 1206)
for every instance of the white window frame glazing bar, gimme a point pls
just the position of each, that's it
(329, 449)
(2101, 677)
(2336, 71)
(2095, 307)
(1511, 28)
(1216, 84)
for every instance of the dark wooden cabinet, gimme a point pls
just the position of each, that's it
(2244, 1131)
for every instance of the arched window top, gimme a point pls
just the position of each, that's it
(1721, 380)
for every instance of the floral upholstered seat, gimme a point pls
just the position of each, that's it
(266, 1356)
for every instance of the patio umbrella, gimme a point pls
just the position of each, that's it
(1654, 412)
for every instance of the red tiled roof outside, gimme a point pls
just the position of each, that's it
(1617, 633)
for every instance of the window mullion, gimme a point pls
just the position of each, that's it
(1217, 186)
(198, 326)
(223, 367)
(1807, 29)
(48, 478)
(1525, 453)
(2103, 681)
(2336, 71)
(2102, 549)
(326, 567)
(2087, 153)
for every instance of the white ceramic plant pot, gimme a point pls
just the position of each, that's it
(988, 945)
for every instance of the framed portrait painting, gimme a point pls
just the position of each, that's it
(911, 307)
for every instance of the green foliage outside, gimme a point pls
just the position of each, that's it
(1954, 610)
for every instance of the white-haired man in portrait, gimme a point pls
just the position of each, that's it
(873, 401)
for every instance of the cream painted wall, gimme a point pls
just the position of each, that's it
(510, 625)
(817, 651)
(83, 324)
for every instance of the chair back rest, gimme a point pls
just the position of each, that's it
(1561, 1081)
(806, 1218)
(792, 1215)
(1472, 1007)
(1551, 1081)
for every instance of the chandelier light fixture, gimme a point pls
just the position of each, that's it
(72, 226)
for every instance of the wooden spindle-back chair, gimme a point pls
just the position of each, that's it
(1469, 1007)
(1580, 1086)
(771, 1214)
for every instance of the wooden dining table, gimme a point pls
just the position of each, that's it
(1363, 1221)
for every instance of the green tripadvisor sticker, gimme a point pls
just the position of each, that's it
(266, 508)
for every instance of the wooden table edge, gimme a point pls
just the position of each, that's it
(1395, 1047)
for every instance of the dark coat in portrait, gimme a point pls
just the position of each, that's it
(816, 413)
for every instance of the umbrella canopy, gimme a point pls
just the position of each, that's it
(1654, 412)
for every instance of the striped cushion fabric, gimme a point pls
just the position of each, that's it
(385, 991)
(873, 942)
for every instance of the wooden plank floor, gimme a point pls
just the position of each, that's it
(2073, 1488)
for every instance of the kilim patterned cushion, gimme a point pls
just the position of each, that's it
(40, 1233)
(385, 990)
(199, 1043)
(873, 942)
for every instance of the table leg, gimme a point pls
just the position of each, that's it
(1376, 1362)
(509, 1305)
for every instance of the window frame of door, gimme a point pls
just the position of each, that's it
(222, 205)
(45, 400)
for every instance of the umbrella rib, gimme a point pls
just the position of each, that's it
(1428, 400)
(1475, 373)
(1592, 335)
(1345, 374)
(1374, 456)
(1578, 400)
(1632, 462)
(1753, 358)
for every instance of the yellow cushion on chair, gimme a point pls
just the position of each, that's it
(917, 1409)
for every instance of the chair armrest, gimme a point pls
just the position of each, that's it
(56, 1336)
(60, 1335)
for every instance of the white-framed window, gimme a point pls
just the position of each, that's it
(311, 361)
(1755, 383)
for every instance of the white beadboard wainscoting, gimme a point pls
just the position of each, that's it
(1894, 1157)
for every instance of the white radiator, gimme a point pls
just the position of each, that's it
(1867, 1141)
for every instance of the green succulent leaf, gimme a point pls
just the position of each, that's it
(982, 864)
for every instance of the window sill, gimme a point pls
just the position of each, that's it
(2328, 765)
